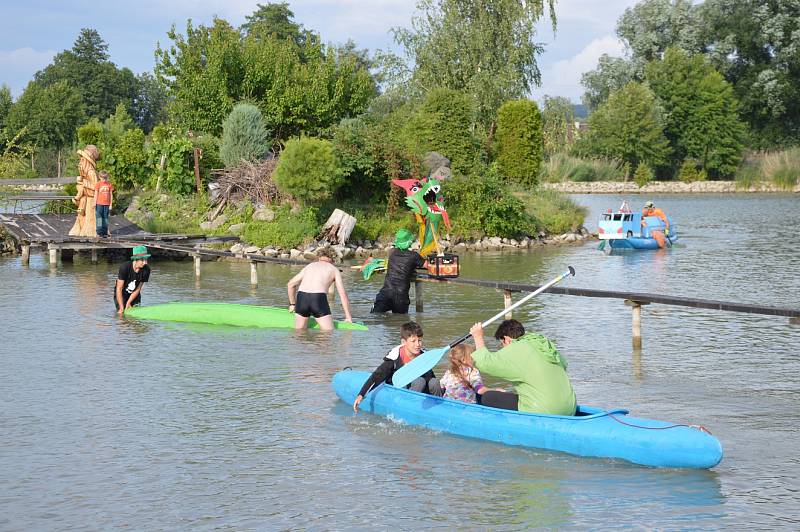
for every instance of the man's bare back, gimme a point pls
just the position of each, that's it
(317, 277)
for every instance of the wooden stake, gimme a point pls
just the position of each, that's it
(636, 322)
(418, 296)
(196, 266)
(254, 275)
(26, 254)
(197, 153)
(507, 302)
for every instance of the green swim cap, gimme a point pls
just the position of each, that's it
(403, 239)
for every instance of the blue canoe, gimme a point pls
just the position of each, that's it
(594, 432)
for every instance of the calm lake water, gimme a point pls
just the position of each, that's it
(114, 423)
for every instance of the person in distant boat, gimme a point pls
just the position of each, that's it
(410, 347)
(532, 364)
(401, 269)
(651, 210)
(308, 293)
(130, 280)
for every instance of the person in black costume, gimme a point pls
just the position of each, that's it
(400, 270)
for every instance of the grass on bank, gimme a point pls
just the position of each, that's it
(781, 168)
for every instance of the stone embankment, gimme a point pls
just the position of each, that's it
(661, 187)
(362, 249)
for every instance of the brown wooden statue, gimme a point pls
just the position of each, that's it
(85, 222)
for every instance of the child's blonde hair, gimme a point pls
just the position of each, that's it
(461, 362)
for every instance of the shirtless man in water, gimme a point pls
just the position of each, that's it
(308, 293)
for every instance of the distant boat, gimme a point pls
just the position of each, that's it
(623, 229)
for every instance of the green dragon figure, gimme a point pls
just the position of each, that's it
(425, 200)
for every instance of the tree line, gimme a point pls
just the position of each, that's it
(699, 85)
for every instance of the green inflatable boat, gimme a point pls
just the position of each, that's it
(234, 314)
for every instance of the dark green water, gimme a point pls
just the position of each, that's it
(111, 423)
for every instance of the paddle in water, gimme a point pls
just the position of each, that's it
(427, 360)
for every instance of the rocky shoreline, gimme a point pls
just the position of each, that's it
(663, 187)
(361, 249)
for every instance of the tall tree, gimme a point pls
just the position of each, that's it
(87, 68)
(276, 20)
(6, 101)
(755, 45)
(485, 48)
(558, 119)
(628, 127)
(210, 69)
(647, 29)
(48, 116)
(700, 111)
(149, 103)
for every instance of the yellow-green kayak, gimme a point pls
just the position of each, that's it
(234, 314)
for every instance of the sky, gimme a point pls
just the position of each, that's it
(33, 31)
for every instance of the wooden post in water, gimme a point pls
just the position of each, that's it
(636, 322)
(507, 303)
(196, 257)
(254, 275)
(55, 251)
(94, 255)
(26, 254)
(418, 296)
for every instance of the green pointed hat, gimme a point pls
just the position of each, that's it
(403, 239)
(140, 253)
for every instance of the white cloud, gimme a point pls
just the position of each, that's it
(563, 78)
(18, 66)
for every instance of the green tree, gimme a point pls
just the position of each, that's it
(754, 44)
(6, 101)
(149, 105)
(442, 124)
(244, 136)
(275, 20)
(647, 29)
(172, 146)
(628, 127)
(87, 68)
(519, 141)
(485, 48)
(91, 133)
(558, 119)
(611, 74)
(701, 113)
(202, 72)
(298, 91)
(308, 170)
(48, 115)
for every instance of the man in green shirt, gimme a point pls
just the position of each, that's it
(532, 363)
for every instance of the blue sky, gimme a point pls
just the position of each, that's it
(33, 31)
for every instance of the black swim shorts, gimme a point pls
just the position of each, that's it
(315, 304)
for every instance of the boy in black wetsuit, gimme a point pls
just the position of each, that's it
(410, 347)
(401, 269)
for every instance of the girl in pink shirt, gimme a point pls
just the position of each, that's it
(462, 381)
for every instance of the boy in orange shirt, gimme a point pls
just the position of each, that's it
(104, 196)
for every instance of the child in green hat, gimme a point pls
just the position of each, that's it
(130, 279)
